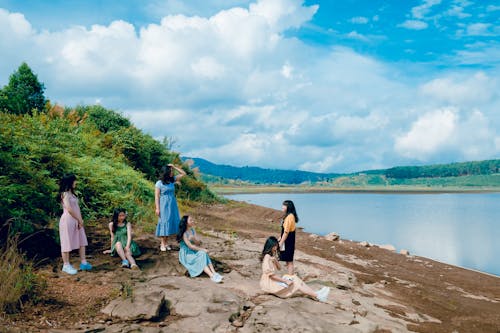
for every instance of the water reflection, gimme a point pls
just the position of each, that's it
(459, 229)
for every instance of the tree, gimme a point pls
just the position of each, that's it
(24, 93)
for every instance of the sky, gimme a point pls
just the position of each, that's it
(322, 86)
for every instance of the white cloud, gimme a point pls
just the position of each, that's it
(359, 20)
(287, 70)
(469, 89)
(414, 25)
(356, 35)
(457, 11)
(479, 29)
(208, 67)
(428, 134)
(492, 8)
(419, 12)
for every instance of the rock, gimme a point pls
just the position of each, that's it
(144, 304)
(314, 236)
(332, 237)
(365, 244)
(388, 247)
(405, 252)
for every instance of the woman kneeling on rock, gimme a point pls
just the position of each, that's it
(191, 256)
(285, 286)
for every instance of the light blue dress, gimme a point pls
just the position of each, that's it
(168, 222)
(193, 260)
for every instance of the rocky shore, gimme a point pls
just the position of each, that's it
(372, 289)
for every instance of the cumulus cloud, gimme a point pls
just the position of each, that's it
(428, 134)
(414, 25)
(462, 89)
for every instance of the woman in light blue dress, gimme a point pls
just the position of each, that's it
(166, 204)
(191, 255)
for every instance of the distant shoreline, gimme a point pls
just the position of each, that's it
(253, 189)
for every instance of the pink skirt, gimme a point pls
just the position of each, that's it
(71, 237)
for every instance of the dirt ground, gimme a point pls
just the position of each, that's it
(462, 300)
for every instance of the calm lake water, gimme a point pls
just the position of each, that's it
(458, 229)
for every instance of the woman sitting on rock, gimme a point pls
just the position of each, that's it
(121, 239)
(285, 286)
(191, 255)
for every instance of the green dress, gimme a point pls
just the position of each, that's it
(121, 236)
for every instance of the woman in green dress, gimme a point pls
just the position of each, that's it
(121, 239)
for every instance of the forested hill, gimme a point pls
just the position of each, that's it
(475, 168)
(216, 172)
(212, 172)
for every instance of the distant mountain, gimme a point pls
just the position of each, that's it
(217, 172)
(212, 172)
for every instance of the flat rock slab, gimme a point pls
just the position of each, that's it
(145, 303)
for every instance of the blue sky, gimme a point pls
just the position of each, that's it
(325, 86)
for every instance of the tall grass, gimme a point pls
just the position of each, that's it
(19, 283)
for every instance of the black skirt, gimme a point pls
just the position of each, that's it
(287, 255)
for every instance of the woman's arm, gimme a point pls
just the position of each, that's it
(191, 245)
(66, 204)
(112, 234)
(181, 172)
(157, 201)
(129, 235)
(283, 238)
(278, 278)
(286, 230)
(195, 239)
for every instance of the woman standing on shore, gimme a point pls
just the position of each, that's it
(166, 204)
(71, 231)
(287, 238)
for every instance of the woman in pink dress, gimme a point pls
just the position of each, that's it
(71, 232)
(287, 285)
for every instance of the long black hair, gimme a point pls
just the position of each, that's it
(117, 212)
(182, 227)
(66, 184)
(290, 209)
(271, 242)
(166, 174)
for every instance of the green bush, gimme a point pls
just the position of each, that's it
(37, 150)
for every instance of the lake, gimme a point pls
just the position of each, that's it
(461, 229)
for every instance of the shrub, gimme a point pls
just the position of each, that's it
(19, 282)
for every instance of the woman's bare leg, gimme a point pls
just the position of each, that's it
(290, 268)
(65, 258)
(120, 251)
(83, 257)
(130, 259)
(208, 271)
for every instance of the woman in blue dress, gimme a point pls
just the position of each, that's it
(166, 204)
(191, 255)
